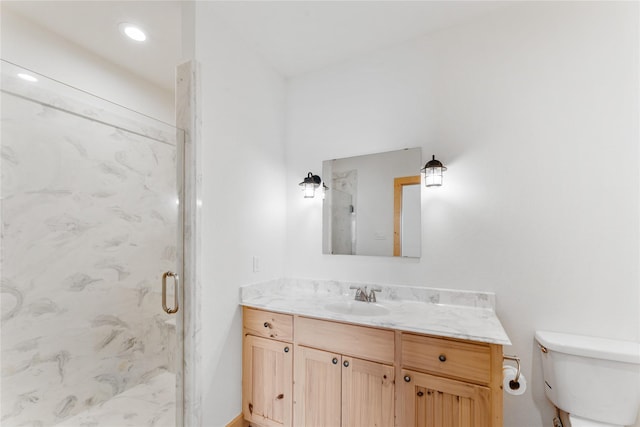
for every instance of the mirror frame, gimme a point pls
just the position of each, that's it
(398, 189)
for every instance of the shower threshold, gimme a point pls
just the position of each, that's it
(148, 404)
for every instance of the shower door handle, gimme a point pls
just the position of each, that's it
(176, 287)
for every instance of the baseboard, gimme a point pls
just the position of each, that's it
(238, 422)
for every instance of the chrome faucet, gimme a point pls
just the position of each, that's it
(361, 294)
(372, 294)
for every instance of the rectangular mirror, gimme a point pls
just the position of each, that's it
(372, 206)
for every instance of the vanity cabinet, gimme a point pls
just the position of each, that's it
(308, 372)
(267, 368)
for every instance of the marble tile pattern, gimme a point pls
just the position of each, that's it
(149, 404)
(89, 218)
(442, 312)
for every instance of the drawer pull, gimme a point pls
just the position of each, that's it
(420, 394)
(334, 361)
(286, 349)
(267, 325)
(346, 363)
(442, 358)
(407, 378)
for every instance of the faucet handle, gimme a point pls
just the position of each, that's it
(372, 294)
(361, 294)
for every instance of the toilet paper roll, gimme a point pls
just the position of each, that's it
(508, 375)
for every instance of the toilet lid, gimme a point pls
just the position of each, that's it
(583, 422)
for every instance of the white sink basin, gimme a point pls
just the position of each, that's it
(358, 308)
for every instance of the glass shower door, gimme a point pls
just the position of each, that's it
(90, 222)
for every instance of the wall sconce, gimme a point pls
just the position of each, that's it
(309, 185)
(433, 172)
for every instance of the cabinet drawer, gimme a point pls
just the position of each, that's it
(352, 340)
(267, 324)
(466, 361)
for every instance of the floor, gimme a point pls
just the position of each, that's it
(151, 404)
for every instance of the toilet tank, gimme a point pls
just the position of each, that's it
(593, 378)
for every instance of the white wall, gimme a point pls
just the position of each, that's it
(38, 49)
(243, 198)
(534, 110)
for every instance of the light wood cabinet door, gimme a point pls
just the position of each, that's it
(317, 388)
(267, 382)
(367, 393)
(332, 390)
(430, 401)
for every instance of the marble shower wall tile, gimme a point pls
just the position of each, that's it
(150, 403)
(89, 218)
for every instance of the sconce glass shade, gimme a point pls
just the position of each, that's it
(433, 172)
(309, 185)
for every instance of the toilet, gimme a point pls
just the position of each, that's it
(594, 382)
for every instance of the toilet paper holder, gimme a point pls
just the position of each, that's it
(514, 384)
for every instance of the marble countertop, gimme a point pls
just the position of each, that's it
(441, 312)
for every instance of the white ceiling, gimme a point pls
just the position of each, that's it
(294, 36)
(93, 25)
(300, 36)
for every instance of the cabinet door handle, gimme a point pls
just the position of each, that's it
(286, 349)
(280, 396)
(407, 378)
(267, 325)
(442, 358)
(420, 394)
(346, 363)
(334, 361)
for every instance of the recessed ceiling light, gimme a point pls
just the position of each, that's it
(133, 32)
(27, 77)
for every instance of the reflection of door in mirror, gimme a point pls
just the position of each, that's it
(406, 216)
(342, 223)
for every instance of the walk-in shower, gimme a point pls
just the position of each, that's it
(91, 216)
